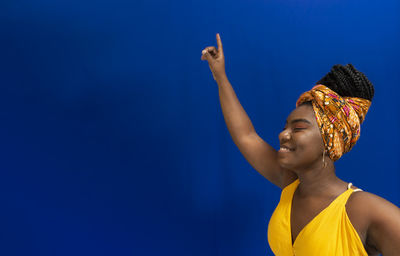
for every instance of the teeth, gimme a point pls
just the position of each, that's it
(285, 149)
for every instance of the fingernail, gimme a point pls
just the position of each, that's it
(204, 51)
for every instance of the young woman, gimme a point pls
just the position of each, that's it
(318, 213)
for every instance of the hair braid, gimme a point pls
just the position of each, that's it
(347, 81)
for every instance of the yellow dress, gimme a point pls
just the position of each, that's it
(329, 233)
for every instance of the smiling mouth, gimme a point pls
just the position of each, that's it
(285, 150)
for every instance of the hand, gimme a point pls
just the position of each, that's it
(215, 58)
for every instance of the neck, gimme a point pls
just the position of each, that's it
(319, 181)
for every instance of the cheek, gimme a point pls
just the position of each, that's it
(312, 143)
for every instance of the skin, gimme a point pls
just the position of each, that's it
(376, 220)
(379, 229)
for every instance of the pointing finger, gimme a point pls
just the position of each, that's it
(219, 43)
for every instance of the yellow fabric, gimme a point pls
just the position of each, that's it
(329, 233)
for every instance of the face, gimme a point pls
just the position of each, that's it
(302, 136)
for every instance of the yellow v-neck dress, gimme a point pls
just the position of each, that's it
(329, 233)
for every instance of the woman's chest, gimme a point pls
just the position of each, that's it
(308, 212)
(304, 212)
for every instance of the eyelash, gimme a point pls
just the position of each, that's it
(295, 129)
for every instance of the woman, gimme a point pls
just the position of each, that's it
(318, 213)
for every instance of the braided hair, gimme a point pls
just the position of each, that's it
(347, 81)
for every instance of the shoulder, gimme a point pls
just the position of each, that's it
(372, 206)
(367, 201)
(379, 218)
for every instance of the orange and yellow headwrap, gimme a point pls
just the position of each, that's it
(339, 118)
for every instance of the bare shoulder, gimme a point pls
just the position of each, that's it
(377, 220)
(357, 210)
(368, 205)
(367, 201)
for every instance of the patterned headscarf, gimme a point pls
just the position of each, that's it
(339, 118)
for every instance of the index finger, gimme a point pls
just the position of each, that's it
(219, 43)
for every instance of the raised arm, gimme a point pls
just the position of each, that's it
(257, 152)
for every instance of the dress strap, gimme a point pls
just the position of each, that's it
(354, 190)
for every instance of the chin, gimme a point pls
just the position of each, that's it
(285, 164)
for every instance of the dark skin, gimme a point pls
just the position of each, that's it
(376, 220)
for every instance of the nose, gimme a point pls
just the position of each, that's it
(284, 135)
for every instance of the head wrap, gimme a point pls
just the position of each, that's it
(339, 118)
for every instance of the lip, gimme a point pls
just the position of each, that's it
(284, 147)
(285, 150)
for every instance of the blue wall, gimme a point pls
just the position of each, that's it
(113, 141)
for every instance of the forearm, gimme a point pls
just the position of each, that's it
(236, 119)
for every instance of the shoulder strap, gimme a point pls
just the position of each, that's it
(354, 190)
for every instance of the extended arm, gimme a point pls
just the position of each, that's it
(257, 152)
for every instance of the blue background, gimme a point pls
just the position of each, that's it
(112, 137)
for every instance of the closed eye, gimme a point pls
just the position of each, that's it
(294, 129)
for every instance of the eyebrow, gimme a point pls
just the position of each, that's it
(299, 120)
